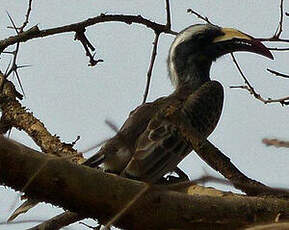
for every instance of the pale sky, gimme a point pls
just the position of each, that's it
(73, 99)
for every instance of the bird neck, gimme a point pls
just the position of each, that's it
(195, 72)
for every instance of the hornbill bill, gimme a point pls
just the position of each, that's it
(150, 144)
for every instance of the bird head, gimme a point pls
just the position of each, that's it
(196, 47)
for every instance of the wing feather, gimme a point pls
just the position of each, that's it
(163, 145)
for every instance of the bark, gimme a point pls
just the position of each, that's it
(95, 194)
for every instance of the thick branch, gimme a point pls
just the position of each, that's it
(98, 195)
(15, 115)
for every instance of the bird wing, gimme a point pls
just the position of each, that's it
(117, 151)
(163, 144)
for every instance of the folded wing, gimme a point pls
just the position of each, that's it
(163, 144)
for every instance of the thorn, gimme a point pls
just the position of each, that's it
(12, 22)
(23, 66)
(18, 79)
(7, 69)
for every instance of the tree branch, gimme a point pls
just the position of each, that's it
(280, 26)
(277, 73)
(149, 73)
(28, 12)
(106, 194)
(275, 142)
(251, 90)
(204, 18)
(15, 115)
(35, 32)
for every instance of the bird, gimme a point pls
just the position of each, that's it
(150, 143)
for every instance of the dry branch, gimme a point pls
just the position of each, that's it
(251, 90)
(275, 142)
(277, 73)
(35, 32)
(15, 115)
(149, 73)
(98, 195)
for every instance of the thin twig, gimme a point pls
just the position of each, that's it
(21, 222)
(26, 16)
(168, 10)
(273, 39)
(58, 222)
(98, 227)
(275, 142)
(251, 90)
(154, 51)
(14, 66)
(278, 49)
(280, 26)
(80, 35)
(282, 100)
(111, 125)
(277, 34)
(243, 76)
(206, 19)
(278, 73)
(149, 73)
(94, 146)
(128, 205)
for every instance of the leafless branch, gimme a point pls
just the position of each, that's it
(98, 227)
(278, 49)
(111, 125)
(149, 73)
(94, 146)
(273, 39)
(58, 222)
(80, 35)
(21, 222)
(26, 21)
(280, 26)
(168, 10)
(279, 30)
(243, 76)
(14, 67)
(251, 90)
(35, 32)
(206, 19)
(275, 142)
(154, 51)
(277, 73)
(282, 101)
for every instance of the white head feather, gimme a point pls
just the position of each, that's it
(183, 36)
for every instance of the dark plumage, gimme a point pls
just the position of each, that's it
(151, 143)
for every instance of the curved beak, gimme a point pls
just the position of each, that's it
(233, 40)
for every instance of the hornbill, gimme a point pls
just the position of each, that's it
(150, 144)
